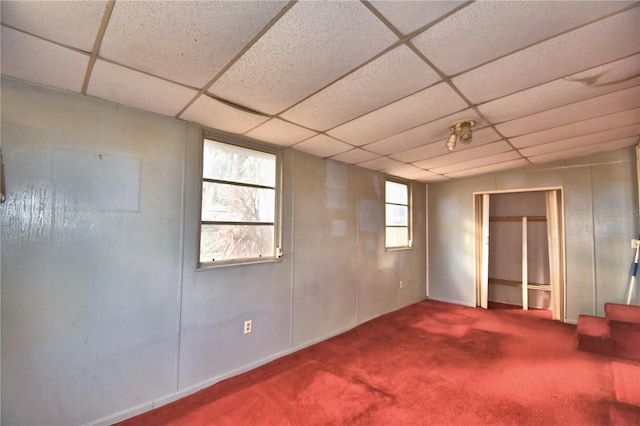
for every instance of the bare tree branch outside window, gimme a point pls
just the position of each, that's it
(238, 203)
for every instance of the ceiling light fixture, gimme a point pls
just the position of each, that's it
(460, 130)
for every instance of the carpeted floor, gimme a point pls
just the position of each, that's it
(431, 363)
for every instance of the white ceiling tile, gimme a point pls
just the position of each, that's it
(433, 179)
(188, 42)
(596, 81)
(217, 115)
(586, 150)
(280, 132)
(601, 105)
(422, 176)
(610, 75)
(422, 152)
(426, 133)
(355, 156)
(583, 141)
(407, 171)
(72, 23)
(127, 87)
(390, 77)
(480, 137)
(603, 41)
(464, 155)
(557, 96)
(581, 128)
(503, 28)
(408, 16)
(380, 163)
(490, 168)
(323, 146)
(427, 105)
(477, 162)
(31, 59)
(312, 45)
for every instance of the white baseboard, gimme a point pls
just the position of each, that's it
(167, 399)
(453, 302)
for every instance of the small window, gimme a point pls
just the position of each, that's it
(397, 215)
(240, 204)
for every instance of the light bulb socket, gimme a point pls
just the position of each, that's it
(465, 133)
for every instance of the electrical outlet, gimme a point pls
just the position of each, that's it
(401, 284)
(634, 243)
(247, 326)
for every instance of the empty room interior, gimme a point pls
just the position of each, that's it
(319, 212)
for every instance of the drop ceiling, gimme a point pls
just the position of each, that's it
(369, 83)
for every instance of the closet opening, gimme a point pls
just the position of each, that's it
(520, 251)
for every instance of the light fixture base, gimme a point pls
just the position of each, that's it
(457, 126)
(460, 131)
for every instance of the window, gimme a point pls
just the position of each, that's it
(240, 204)
(397, 215)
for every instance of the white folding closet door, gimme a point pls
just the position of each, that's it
(481, 202)
(556, 252)
(555, 233)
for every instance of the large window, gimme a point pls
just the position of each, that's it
(240, 204)
(397, 215)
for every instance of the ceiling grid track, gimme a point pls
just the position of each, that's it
(237, 57)
(407, 41)
(371, 83)
(96, 47)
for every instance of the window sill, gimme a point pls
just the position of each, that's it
(208, 266)
(398, 248)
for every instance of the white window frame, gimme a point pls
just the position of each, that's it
(409, 206)
(277, 221)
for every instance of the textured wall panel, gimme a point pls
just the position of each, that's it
(90, 260)
(324, 274)
(598, 257)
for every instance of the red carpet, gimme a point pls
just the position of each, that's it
(430, 363)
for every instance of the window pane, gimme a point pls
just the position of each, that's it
(397, 193)
(236, 164)
(397, 237)
(397, 215)
(224, 242)
(233, 203)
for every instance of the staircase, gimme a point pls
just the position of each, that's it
(617, 334)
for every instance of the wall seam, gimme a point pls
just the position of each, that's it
(357, 188)
(291, 242)
(181, 252)
(593, 250)
(426, 238)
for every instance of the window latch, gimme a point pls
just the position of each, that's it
(278, 252)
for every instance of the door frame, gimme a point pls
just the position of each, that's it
(481, 217)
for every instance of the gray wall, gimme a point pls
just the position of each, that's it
(103, 312)
(601, 218)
